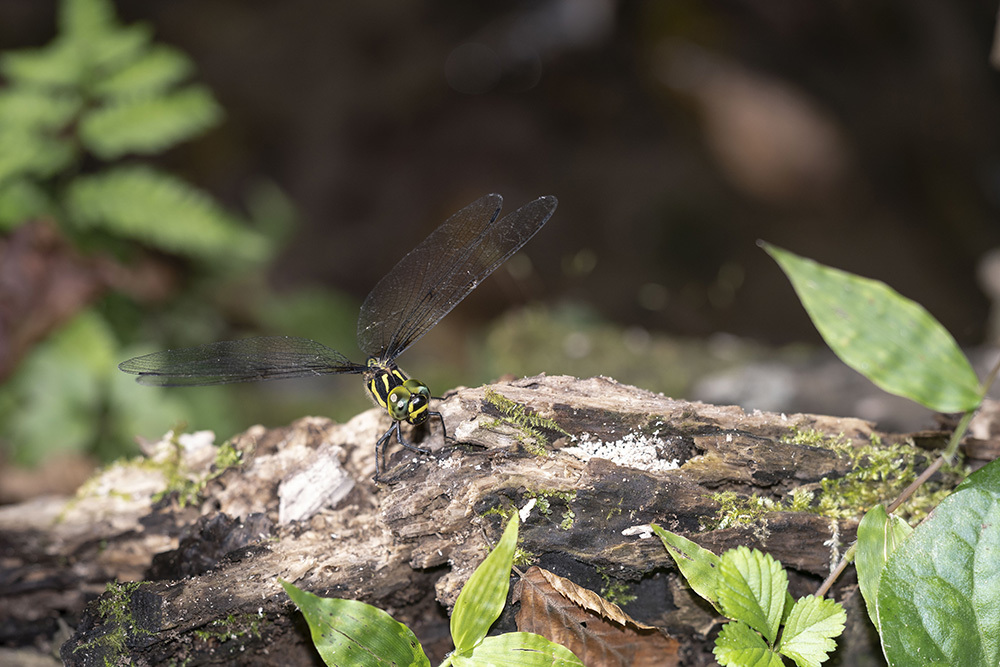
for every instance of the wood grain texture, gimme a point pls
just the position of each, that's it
(211, 570)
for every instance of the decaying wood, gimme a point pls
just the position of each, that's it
(301, 506)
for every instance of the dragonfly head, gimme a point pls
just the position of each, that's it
(409, 402)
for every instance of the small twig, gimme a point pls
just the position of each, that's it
(915, 484)
(837, 571)
(947, 457)
(893, 506)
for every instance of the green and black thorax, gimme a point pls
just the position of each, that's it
(405, 399)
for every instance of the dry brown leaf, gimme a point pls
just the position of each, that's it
(588, 599)
(597, 631)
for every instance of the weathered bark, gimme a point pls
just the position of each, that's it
(301, 506)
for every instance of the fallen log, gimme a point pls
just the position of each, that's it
(195, 536)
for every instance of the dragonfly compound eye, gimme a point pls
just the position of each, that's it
(417, 387)
(419, 408)
(398, 403)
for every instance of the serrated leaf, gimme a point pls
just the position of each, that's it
(699, 566)
(752, 587)
(789, 603)
(348, 632)
(518, 649)
(154, 72)
(879, 535)
(148, 125)
(484, 594)
(161, 210)
(938, 594)
(739, 646)
(812, 625)
(886, 337)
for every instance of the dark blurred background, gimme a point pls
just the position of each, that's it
(675, 134)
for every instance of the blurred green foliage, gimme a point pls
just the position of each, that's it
(80, 120)
(102, 91)
(573, 340)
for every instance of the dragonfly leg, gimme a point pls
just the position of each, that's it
(380, 449)
(404, 443)
(444, 429)
(380, 456)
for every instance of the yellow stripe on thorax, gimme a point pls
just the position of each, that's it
(383, 381)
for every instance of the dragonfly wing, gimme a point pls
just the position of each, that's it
(436, 275)
(245, 360)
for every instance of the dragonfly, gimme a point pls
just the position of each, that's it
(403, 306)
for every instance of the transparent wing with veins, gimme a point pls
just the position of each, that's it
(245, 360)
(436, 275)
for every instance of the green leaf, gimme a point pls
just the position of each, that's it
(161, 210)
(103, 53)
(699, 566)
(808, 635)
(518, 649)
(886, 337)
(86, 17)
(148, 125)
(153, 72)
(27, 109)
(24, 153)
(752, 587)
(739, 646)
(57, 65)
(91, 44)
(938, 595)
(20, 201)
(54, 402)
(789, 604)
(484, 595)
(879, 535)
(348, 632)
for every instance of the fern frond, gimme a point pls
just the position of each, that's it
(149, 125)
(153, 72)
(57, 65)
(28, 109)
(24, 153)
(162, 211)
(110, 51)
(21, 200)
(86, 18)
(102, 43)
(75, 61)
